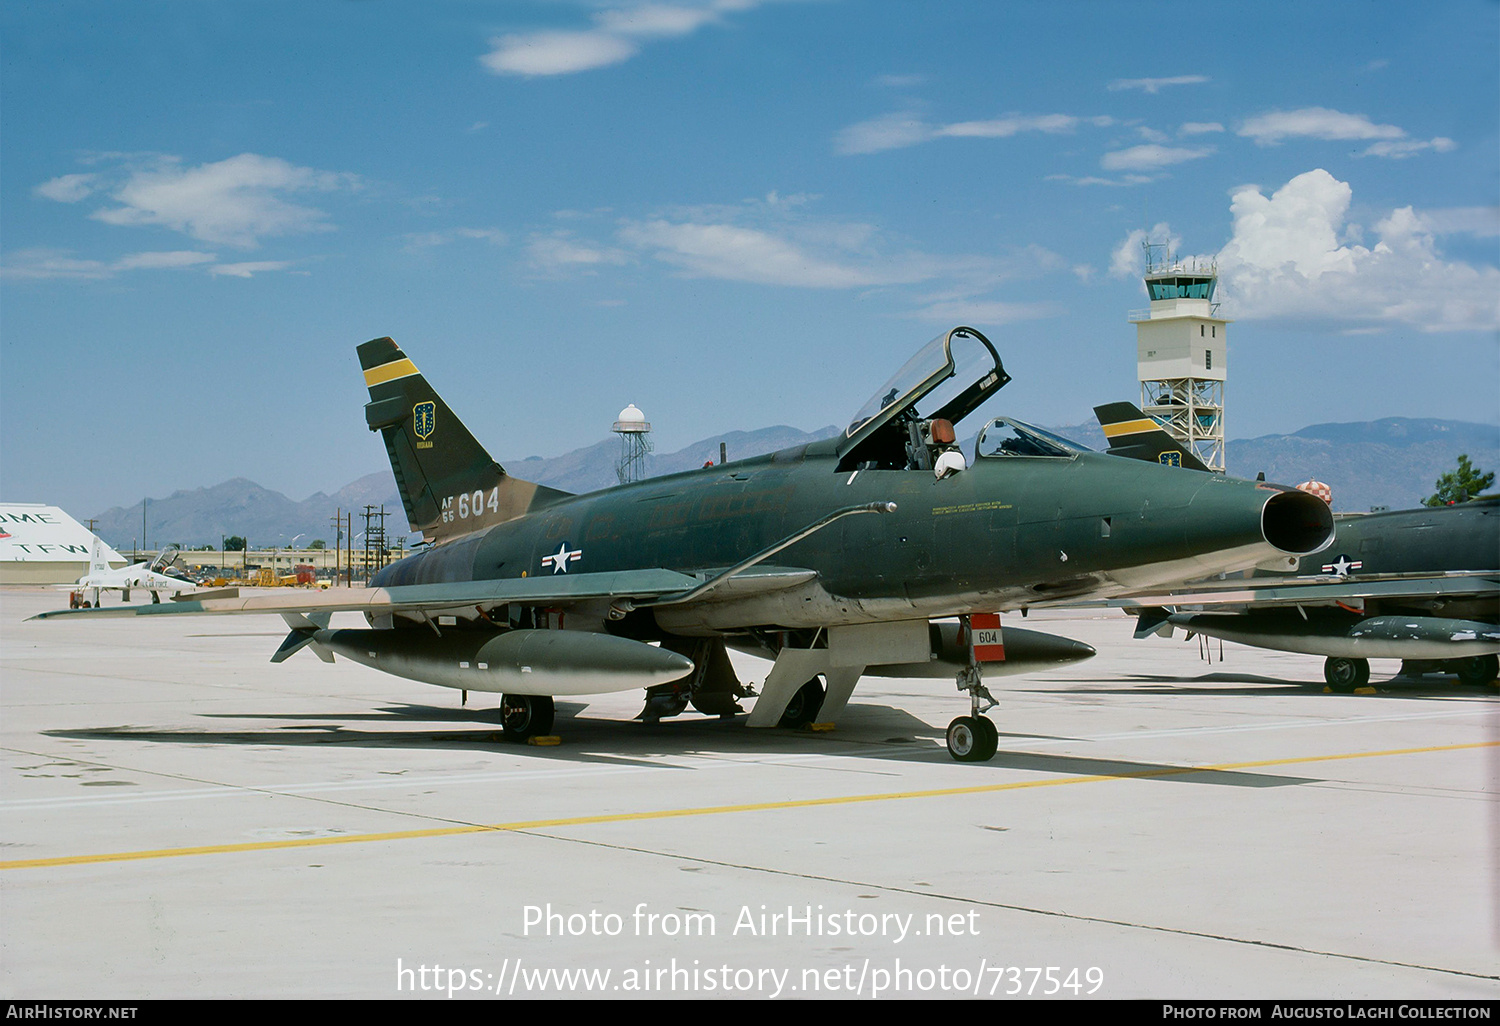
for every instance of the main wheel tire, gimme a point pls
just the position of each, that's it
(525, 716)
(1344, 675)
(990, 735)
(967, 739)
(804, 706)
(1477, 669)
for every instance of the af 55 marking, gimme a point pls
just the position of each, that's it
(470, 504)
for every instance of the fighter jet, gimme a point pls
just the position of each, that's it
(868, 552)
(1420, 585)
(145, 575)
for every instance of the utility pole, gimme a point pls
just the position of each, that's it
(338, 543)
(375, 543)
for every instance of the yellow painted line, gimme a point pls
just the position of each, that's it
(389, 372)
(710, 810)
(1130, 427)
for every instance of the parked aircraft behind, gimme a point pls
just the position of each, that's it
(833, 558)
(144, 575)
(1420, 585)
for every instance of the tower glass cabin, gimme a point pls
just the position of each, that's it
(1182, 353)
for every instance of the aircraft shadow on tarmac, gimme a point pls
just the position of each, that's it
(1428, 687)
(645, 744)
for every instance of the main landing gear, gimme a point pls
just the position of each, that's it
(523, 717)
(973, 738)
(803, 708)
(1476, 669)
(1344, 675)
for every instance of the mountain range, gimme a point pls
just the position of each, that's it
(1392, 462)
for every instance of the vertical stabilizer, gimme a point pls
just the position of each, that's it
(98, 562)
(449, 484)
(1134, 435)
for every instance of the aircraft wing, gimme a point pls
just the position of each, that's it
(1325, 590)
(557, 590)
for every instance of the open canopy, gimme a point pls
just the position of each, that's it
(948, 378)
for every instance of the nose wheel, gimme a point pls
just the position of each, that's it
(973, 739)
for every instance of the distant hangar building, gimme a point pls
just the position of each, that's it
(43, 545)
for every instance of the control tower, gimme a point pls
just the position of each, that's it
(1182, 354)
(635, 444)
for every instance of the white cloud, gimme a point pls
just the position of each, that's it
(986, 312)
(1316, 123)
(233, 202)
(1199, 127)
(67, 188)
(49, 263)
(1401, 148)
(887, 132)
(1286, 261)
(774, 242)
(163, 261)
(737, 253)
(245, 270)
(1154, 85)
(904, 128)
(1483, 222)
(1150, 156)
(616, 37)
(560, 251)
(556, 53)
(1129, 257)
(1001, 128)
(427, 240)
(661, 20)
(1124, 181)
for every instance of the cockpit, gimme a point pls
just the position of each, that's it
(911, 422)
(1006, 437)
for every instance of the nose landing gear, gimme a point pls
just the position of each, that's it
(973, 738)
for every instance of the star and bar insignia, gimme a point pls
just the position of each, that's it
(560, 559)
(1342, 566)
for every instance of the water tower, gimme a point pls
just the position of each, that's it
(1182, 353)
(635, 444)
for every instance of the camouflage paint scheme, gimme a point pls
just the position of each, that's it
(1420, 585)
(832, 557)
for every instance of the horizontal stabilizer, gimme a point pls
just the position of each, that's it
(299, 639)
(1151, 620)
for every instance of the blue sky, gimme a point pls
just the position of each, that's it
(732, 213)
